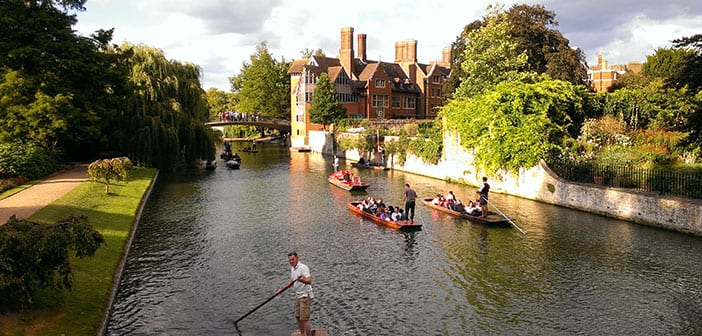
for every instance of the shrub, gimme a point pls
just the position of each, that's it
(26, 159)
(35, 256)
(106, 170)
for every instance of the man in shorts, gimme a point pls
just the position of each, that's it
(303, 293)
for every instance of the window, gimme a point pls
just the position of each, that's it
(308, 96)
(436, 79)
(342, 79)
(310, 78)
(433, 92)
(410, 103)
(380, 83)
(379, 100)
(396, 102)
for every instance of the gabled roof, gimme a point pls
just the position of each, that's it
(334, 72)
(297, 66)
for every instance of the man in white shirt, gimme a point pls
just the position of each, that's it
(300, 275)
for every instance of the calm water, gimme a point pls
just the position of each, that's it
(213, 245)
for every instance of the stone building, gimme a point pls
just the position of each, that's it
(367, 88)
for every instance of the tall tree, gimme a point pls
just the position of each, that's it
(325, 107)
(66, 83)
(490, 57)
(163, 121)
(219, 101)
(531, 29)
(678, 67)
(262, 86)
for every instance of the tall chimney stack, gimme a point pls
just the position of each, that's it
(362, 47)
(446, 57)
(346, 54)
(411, 51)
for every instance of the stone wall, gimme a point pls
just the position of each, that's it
(541, 184)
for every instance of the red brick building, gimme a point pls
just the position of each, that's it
(366, 88)
(602, 75)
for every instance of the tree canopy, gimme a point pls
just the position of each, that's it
(530, 30)
(513, 124)
(263, 87)
(325, 107)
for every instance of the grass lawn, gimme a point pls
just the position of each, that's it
(80, 311)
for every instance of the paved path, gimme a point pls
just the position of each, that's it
(30, 200)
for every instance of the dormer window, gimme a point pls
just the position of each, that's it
(436, 79)
(380, 83)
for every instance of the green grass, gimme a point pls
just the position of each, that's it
(80, 311)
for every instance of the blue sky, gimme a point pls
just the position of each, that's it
(219, 35)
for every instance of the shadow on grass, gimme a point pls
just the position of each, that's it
(80, 311)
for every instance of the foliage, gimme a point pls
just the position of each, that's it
(307, 53)
(26, 159)
(56, 86)
(219, 101)
(490, 57)
(528, 29)
(263, 86)
(515, 124)
(651, 106)
(677, 66)
(325, 108)
(35, 256)
(163, 125)
(106, 170)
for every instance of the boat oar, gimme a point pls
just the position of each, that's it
(503, 215)
(263, 303)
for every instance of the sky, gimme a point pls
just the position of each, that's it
(220, 35)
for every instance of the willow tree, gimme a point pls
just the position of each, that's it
(162, 124)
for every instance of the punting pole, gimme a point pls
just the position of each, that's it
(503, 215)
(263, 303)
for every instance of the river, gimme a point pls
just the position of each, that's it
(212, 245)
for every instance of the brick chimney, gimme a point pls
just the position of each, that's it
(411, 55)
(362, 47)
(346, 54)
(446, 57)
(400, 51)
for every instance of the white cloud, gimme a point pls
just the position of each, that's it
(219, 35)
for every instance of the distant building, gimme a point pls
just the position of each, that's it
(366, 88)
(602, 75)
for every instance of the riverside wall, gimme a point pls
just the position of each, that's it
(539, 183)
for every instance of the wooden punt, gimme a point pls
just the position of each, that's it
(368, 166)
(398, 225)
(491, 219)
(355, 184)
(317, 332)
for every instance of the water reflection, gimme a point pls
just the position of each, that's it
(213, 245)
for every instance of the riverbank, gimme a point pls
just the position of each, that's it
(115, 215)
(539, 183)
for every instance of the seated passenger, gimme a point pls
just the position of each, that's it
(401, 216)
(396, 216)
(436, 199)
(381, 214)
(347, 176)
(362, 161)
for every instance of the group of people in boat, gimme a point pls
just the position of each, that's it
(477, 208)
(451, 202)
(379, 209)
